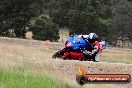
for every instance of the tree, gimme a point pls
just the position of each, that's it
(81, 16)
(4, 28)
(16, 14)
(45, 29)
(122, 20)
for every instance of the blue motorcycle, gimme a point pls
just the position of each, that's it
(75, 48)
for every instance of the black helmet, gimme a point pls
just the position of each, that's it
(92, 37)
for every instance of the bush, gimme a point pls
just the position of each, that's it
(45, 29)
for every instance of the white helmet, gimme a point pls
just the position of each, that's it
(92, 37)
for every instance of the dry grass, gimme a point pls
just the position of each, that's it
(20, 57)
(117, 55)
(34, 57)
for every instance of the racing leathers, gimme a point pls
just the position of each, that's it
(95, 52)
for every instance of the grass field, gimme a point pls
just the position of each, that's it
(15, 79)
(28, 64)
(117, 55)
(26, 67)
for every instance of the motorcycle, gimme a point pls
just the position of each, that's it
(76, 48)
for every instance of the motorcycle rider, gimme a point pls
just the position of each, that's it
(93, 50)
(93, 41)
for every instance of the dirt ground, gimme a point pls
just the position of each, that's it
(35, 56)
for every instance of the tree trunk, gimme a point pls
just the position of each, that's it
(116, 41)
(123, 36)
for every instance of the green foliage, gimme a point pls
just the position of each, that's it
(83, 16)
(16, 14)
(105, 27)
(4, 28)
(45, 29)
(122, 19)
(108, 18)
